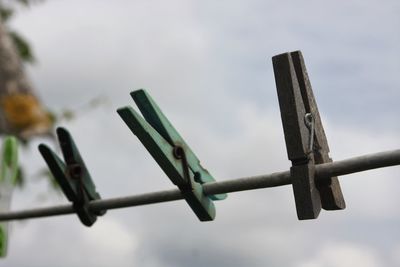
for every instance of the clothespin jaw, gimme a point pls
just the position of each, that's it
(171, 152)
(305, 138)
(8, 175)
(72, 176)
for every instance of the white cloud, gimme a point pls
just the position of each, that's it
(109, 242)
(343, 255)
(396, 255)
(374, 193)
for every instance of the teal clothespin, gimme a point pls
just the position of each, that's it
(8, 175)
(72, 176)
(171, 152)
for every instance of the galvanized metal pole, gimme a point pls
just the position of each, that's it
(326, 170)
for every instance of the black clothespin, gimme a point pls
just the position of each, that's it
(72, 176)
(305, 138)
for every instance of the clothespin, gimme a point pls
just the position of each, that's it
(171, 152)
(305, 138)
(72, 176)
(8, 176)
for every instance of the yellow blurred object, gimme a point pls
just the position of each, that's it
(25, 115)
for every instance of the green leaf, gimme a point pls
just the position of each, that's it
(20, 180)
(23, 48)
(6, 13)
(27, 2)
(9, 162)
(8, 172)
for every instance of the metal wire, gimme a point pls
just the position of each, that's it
(322, 171)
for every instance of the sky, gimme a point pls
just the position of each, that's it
(208, 66)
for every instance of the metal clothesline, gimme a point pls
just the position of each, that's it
(322, 171)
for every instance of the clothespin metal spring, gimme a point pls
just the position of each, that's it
(309, 121)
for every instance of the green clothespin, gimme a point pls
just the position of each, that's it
(72, 176)
(171, 152)
(8, 175)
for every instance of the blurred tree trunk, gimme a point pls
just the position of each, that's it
(21, 113)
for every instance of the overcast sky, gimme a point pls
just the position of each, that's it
(208, 66)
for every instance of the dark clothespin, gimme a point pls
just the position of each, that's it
(171, 152)
(305, 138)
(72, 176)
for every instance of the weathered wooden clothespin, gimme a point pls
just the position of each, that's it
(72, 176)
(171, 152)
(305, 138)
(8, 175)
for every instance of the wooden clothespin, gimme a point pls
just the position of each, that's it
(72, 176)
(305, 138)
(171, 152)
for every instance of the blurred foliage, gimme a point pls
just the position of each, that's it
(20, 181)
(25, 115)
(24, 111)
(7, 11)
(19, 110)
(23, 48)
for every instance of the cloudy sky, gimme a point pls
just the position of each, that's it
(208, 66)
